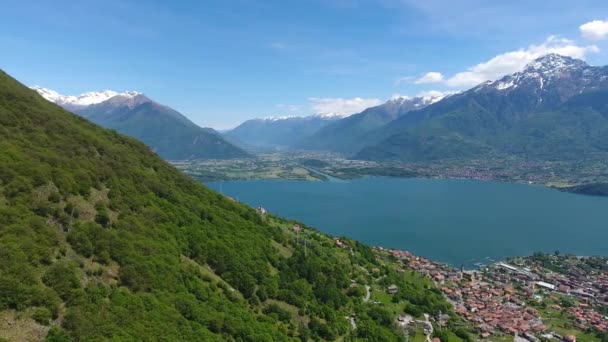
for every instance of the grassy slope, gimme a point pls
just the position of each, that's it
(100, 239)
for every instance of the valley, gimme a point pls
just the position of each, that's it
(319, 166)
(304, 171)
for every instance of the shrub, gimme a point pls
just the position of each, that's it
(42, 315)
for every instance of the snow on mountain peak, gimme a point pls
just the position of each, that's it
(554, 62)
(432, 98)
(327, 116)
(423, 99)
(541, 70)
(330, 115)
(82, 100)
(277, 118)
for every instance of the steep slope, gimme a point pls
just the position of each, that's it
(279, 132)
(166, 131)
(350, 134)
(100, 239)
(554, 109)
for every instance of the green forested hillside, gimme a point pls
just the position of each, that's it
(100, 239)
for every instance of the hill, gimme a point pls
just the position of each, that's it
(166, 131)
(278, 132)
(100, 239)
(554, 109)
(351, 134)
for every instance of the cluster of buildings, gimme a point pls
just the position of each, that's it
(583, 289)
(495, 298)
(586, 318)
(493, 307)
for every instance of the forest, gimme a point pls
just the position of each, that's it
(100, 239)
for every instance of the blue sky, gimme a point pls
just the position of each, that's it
(222, 62)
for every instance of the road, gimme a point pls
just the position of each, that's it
(353, 323)
(367, 293)
(430, 325)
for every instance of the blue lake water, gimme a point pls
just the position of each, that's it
(454, 221)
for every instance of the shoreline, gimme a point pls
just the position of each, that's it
(565, 189)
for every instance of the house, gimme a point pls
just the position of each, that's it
(471, 276)
(261, 210)
(546, 285)
(340, 244)
(392, 289)
(569, 338)
(296, 228)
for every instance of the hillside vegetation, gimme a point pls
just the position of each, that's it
(100, 239)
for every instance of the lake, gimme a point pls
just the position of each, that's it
(454, 221)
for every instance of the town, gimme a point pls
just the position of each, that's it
(541, 297)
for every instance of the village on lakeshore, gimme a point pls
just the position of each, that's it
(541, 297)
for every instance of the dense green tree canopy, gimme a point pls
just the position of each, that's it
(100, 239)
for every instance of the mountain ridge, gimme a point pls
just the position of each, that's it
(511, 115)
(165, 130)
(350, 134)
(279, 132)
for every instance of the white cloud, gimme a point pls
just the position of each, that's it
(341, 106)
(403, 79)
(434, 93)
(430, 77)
(513, 61)
(399, 96)
(289, 107)
(425, 93)
(595, 30)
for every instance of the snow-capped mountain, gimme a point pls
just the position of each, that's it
(331, 115)
(350, 134)
(553, 78)
(164, 130)
(279, 132)
(72, 102)
(556, 108)
(418, 102)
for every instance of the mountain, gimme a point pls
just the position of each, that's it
(279, 132)
(166, 131)
(556, 108)
(100, 239)
(350, 134)
(78, 102)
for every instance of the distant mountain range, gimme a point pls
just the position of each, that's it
(352, 133)
(166, 131)
(322, 132)
(281, 132)
(554, 109)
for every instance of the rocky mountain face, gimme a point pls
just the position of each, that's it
(165, 130)
(554, 108)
